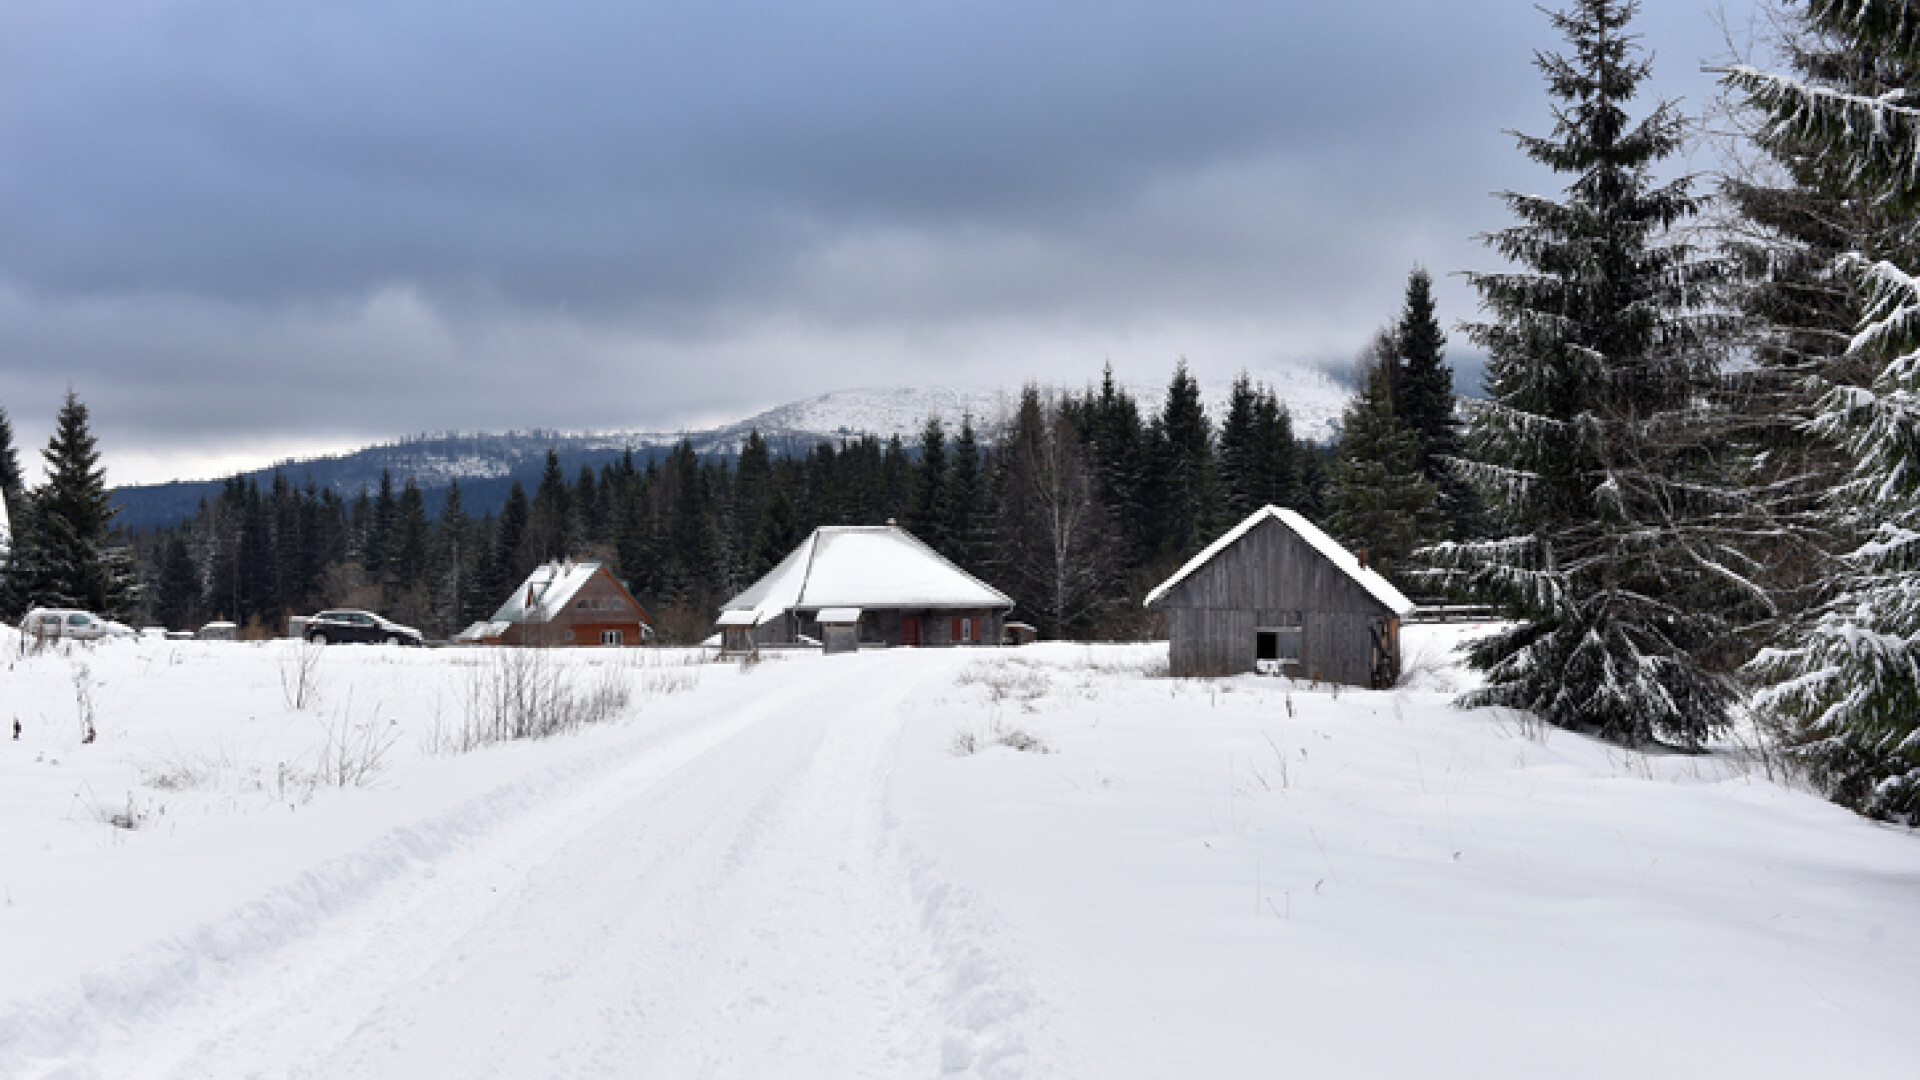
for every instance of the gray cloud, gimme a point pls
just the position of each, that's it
(240, 224)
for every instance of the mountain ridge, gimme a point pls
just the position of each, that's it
(486, 463)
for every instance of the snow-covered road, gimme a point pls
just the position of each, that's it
(994, 863)
(731, 901)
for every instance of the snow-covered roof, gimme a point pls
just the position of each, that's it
(739, 618)
(865, 566)
(483, 630)
(546, 592)
(1365, 576)
(838, 616)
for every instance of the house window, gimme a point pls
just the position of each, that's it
(1276, 649)
(609, 637)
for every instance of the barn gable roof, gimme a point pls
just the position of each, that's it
(865, 566)
(1366, 577)
(548, 590)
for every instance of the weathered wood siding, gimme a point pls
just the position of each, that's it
(1272, 578)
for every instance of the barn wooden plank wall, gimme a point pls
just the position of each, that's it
(1272, 578)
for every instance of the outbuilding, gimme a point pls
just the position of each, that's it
(565, 604)
(1276, 594)
(854, 586)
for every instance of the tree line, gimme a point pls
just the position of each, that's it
(1075, 504)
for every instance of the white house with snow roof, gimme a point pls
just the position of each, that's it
(1277, 594)
(851, 585)
(566, 603)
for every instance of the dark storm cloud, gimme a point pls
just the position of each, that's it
(230, 216)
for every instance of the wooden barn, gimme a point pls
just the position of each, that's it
(857, 586)
(1276, 594)
(566, 604)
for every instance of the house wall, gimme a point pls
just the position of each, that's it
(880, 627)
(1272, 578)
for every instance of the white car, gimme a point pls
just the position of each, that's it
(72, 625)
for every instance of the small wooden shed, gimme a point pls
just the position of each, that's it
(1276, 594)
(840, 629)
(736, 633)
(566, 604)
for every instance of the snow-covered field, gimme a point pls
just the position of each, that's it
(844, 866)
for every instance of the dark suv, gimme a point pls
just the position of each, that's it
(343, 624)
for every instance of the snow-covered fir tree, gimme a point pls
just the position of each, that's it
(1591, 449)
(1845, 682)
(1792, 212)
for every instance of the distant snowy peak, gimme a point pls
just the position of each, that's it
(881, 412)
(1313, 399)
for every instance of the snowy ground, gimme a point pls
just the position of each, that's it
(842, 866)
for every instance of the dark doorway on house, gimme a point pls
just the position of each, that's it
(910, 631)
(1276, 649)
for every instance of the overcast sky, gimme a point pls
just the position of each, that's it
(244, 230)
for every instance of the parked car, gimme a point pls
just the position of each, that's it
(347, 625)
(71, 624)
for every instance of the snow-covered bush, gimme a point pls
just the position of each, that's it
(353, 754)
(972, 740)
(536, 694)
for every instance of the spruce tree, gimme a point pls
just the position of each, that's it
(1800, 216)
(1379, 502)
(1118, 445)
(780, 530)
(12, 482)
(453, 571)
(511, 562)
(69, 561)
(412, 536)
(1189, 488)
(177, 603)
(11, 500)
(1845, 682)
(379, 545)
(1423, 401)
(550, 518)
(927, 515)
(1237, 449)
(1592, 447)
(1258, 459)
(752, 486)
(965, 491)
